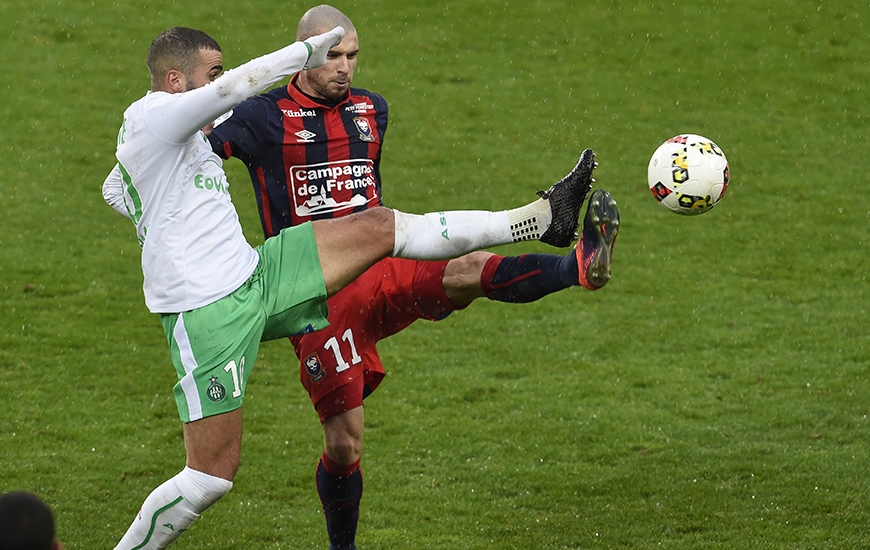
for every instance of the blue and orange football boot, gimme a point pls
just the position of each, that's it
(594, 249)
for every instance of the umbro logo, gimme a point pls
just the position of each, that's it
(305, 136)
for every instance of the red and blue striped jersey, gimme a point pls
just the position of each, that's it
(307, 159)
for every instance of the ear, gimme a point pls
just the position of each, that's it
(175, 82)
(57, 545)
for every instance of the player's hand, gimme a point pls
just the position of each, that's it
(320, 45)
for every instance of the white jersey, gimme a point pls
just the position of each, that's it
(174, 189)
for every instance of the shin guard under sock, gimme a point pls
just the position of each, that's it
(340, 489)
(450, 234)
(530, 277)
(171, 508)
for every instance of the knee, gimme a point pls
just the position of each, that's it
(470, 266)
(343, 448)
(382, 215)
(462, 277)
(377, 222)
(223, 465)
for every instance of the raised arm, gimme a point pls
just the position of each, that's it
(184, 114)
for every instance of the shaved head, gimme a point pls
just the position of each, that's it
(320, 19)
(332, 80)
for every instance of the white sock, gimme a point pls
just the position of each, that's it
(529, 222)
(171, 508)
(443, 235)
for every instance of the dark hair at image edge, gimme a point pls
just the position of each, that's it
(26, 523)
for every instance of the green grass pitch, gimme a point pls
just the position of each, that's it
(714, 395)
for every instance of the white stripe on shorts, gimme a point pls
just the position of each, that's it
(188, 361)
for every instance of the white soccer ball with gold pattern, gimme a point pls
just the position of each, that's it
(688, 174)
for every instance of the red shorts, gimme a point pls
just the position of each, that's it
(340, 364)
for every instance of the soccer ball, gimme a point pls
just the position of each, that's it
(688, 174)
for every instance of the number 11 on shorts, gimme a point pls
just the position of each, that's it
(333, 345)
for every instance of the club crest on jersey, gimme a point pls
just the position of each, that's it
(365, 130)
(312, 365)
(216, 391)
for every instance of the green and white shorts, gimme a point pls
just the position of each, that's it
(214, 347)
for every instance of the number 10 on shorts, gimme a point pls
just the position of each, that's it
(236, 371)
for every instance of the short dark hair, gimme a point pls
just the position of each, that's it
(177, 48)
(26, 523)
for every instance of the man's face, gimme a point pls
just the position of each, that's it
(208, 67)
(331, 81)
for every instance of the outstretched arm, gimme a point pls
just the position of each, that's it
(187, 113)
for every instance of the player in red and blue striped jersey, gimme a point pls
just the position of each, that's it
(308, 158)
(313, 151)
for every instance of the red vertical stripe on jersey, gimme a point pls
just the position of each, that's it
(267, 206)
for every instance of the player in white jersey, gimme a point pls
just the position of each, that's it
(218, 297)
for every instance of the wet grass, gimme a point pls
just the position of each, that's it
(714, 395)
